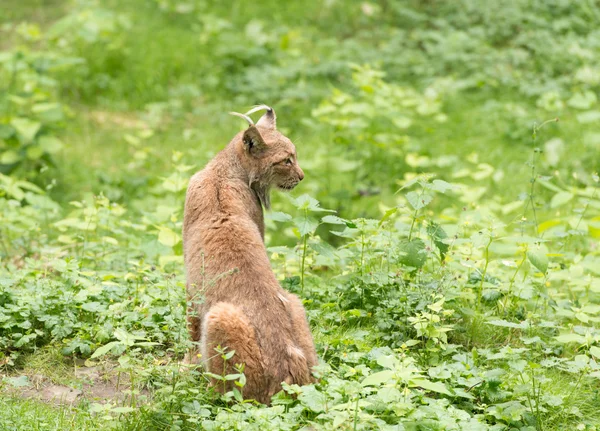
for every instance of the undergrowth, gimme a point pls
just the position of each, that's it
(445, 242)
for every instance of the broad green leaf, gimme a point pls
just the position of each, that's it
(103, 350)
(560, 199)
(441, 186)
(332, 219)
(50, 144)
(34, 152)
(379, 378)
(595, 351)
(413, 253)
(323, 248)
(9, 157)
(26, 128)
(307, 203)
(458, 392)
(125, 337)
(313, 399)
(410, 343)
(518, 365)
(438, 236)
(419, 200)
(538, 256)
(167, 237)
(48, 112)
(428, 385)
(387, 361)
(93, 307)
(305, 225)
(279, 216)
(571, 338)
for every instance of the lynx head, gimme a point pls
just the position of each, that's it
(269, 157)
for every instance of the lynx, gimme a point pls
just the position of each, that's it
(236, 300)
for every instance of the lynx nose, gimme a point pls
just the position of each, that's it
(300, 174)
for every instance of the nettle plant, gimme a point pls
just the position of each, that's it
(31, 116)
(379, 270)
(372, 122)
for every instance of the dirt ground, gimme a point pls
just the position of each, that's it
(91, 384)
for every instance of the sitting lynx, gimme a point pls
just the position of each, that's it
(236, 301)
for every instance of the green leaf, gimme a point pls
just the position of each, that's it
(379, 378)
(387, 361)
(441, 186)
(438, 235)
(571, 338)
(214, 376)
(279, 216)
(413, 253)
(539, 258)
(332, 219)
(313, 399)
(48, 112)
(50, 144)
(428, 385)
(9, 157)
(125, 337)
(518, 365)
(101, 351)
(307, 203)
(93, 307)
(410, 343)
(560, 199)
(167, 237)
(305, 225)
(419, 200)
(595, 351)
(388, 214)
(26, 128)
(34, 152)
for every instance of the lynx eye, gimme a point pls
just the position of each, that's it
(288, 161)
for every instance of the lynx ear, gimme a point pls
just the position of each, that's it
(253, 141)
(269, 119)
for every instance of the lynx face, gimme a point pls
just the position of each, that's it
(270, 158)
(280, 162)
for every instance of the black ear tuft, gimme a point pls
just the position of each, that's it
(269, 119)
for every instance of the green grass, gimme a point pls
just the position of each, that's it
(25, 415)
(374, 94)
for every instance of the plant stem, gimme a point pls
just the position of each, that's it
(484, 272)
(412, 225)
(303, 260)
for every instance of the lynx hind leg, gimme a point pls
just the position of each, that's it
(302, 331)
(227, 326)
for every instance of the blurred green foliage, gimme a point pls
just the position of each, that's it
(445, 240)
